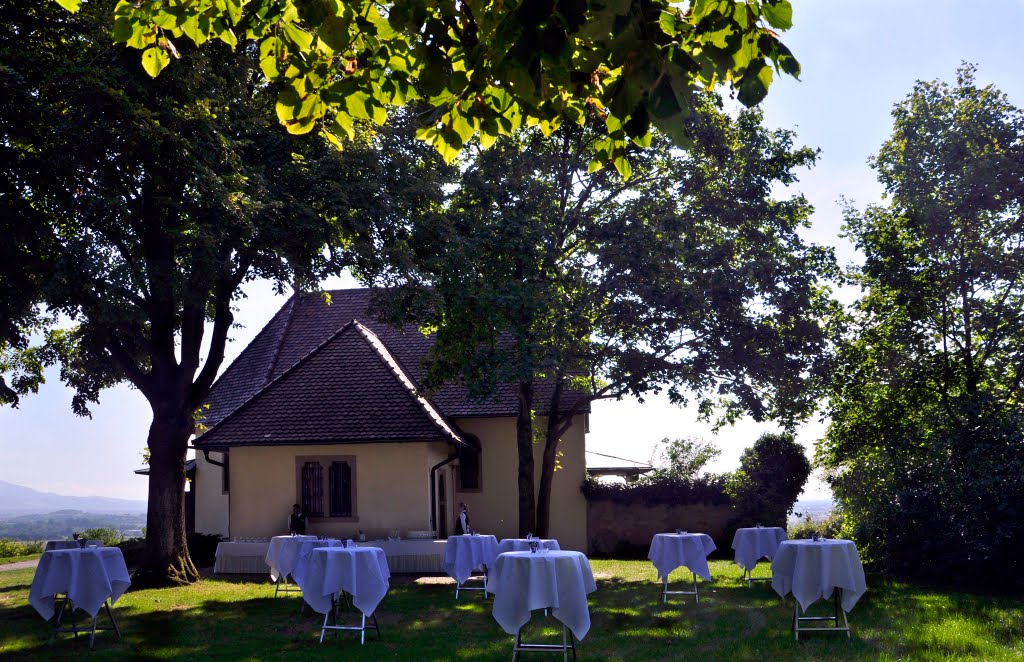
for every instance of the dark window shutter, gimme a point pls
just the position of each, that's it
(341, 489)
(312, 489)
(469, 465)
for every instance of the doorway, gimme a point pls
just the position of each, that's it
(442, 506)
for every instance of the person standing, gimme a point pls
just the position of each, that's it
(462, 521)
(297, 521)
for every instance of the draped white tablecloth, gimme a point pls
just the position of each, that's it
(560, 580)
(283, 554)
(362, 572)
(462, 554)
(87, 576)
(69, 544)
(811, 570)
(523, 544)
(416, 556)
(752, 544)
(241, 557)
(673, 550)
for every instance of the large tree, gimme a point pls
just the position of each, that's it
(925, 452)
(576, 285)
(155, 200)
(486, 67)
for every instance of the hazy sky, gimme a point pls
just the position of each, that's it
(859, 58)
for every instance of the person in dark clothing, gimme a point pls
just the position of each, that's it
(462, 521)
(297, 521)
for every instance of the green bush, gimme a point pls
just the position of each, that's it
(771, 476)
(11, 548)
(828, 527)
(708, 490)
(110, 537)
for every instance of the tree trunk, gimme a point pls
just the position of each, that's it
(524, 444)
(552, 435)
(166, 560)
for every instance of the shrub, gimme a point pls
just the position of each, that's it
(11, 548)
(771, 476)
(828, 527)
(110, 537)
(650, 492)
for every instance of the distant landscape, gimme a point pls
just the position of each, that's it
(817, 509)
(18, 500)
(27, 514)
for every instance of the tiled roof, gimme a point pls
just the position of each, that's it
(306, 322)
(335, 394)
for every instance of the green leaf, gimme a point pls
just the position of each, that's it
(779, 13)
(71, 5)
(622, 165)
(755, 82)
(154, 59)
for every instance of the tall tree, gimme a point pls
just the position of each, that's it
(486, 66)
(925, 448)
(576, 286)
(156, 199)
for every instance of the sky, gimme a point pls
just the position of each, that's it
(859, 58)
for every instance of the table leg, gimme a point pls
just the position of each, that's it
(838, 613)
(461, 586)
(568, 644)
(748, 576)
(361, 628)
(665, 592)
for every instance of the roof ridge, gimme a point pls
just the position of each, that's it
(284, 374)
(403, 376)
(293, 303)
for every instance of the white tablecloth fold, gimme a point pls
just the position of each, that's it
(463, 554)
(811, 570)
(362, 572)
(69, 544)
(283, 554)
(752, 544)
(674, 550)
(523, 544)
(88, 576)
(560, 580)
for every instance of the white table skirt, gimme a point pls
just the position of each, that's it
(362, 572)
(416, 556)
(559, 580)
(523, 544)
(283, 554)
(811, 570)
(87, 576)
(462, 554)
(674, 550)
(241, 557)
(752, 544)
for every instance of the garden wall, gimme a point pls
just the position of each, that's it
(626, 529)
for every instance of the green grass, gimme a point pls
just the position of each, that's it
(17, 559)
(241, 620)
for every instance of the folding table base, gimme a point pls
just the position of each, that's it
(665, 592)
(74, 628)
(282, 586)
(361, 628)
(461, 586)
(568, 644)
(839, 613)
(750, 579)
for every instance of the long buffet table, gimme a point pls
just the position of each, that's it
(412, 556)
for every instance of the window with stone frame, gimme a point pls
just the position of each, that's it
(326, 487)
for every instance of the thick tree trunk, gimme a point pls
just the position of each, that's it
(524, 444)
(166, 560)
(549, 459)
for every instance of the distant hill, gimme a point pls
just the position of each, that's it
(18, 500)
(62, 523)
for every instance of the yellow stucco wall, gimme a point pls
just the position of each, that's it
(495, 509)
(392, 488)
(211, 500)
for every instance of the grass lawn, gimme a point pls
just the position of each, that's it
(420, 620)
(18, 559)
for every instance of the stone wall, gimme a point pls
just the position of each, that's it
(627, 529)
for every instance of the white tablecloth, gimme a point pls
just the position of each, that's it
(362, 572)
(811, 570)
(522, 582)
(753, 544)
(673, 550)
(69, 544)
(463, 554)
(523, 544)
(88, 576)
(241, 557)
(416, 556)
(283, 554)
